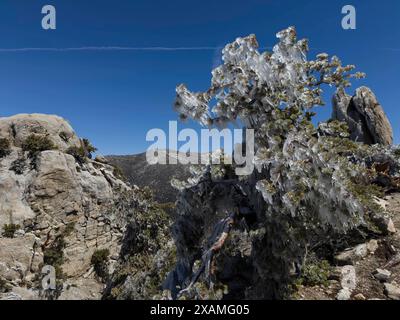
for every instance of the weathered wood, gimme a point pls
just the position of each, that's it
(218, 239)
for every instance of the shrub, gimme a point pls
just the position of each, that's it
(118, 173)
(147, 193)
(83, 152)
(54, 255)
(88, 147)
(69, 228)
(64, 136)
(10, 229)
(18, 166)
(78, 153)
(99, 261)
(14, 130)
(4, 286)
(4, 147)
(316, 273)
(35, 144)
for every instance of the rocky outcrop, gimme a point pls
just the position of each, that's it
(59, 209)
(17, 129)
(55, 210)
(364, 115)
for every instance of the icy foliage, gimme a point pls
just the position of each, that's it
(251, 84)
(310, 180)
(273, 93)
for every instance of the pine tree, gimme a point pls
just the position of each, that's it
(312, 186)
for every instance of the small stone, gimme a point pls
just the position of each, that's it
(372, 246)
(360, 297)
(344, 257)
(384, 223)
(19, 233)
(344, 294)
(348, 278)
(382, 275)
(361, 251)
(392, 291)
(390, 227)
(101, 159)
(351, 256)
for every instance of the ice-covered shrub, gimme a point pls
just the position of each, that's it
(310, 183)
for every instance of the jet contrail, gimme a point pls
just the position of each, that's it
(391, 49)
(107, 48)
(115, 48)
(120, 48)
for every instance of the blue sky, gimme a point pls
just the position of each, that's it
(114, 97)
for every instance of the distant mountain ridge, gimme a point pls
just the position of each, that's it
(158, 176)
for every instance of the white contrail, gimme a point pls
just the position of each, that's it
(119, 48)
(114, 48)
(107, 48)
(391, 49)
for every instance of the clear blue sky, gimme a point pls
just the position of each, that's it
(114, 97)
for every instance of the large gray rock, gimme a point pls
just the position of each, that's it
(348, 282)
(364, 115)
(392, 291)
(382, 274)
(344, 294)
(19, 256)
(350, 256)
(17, 128)
(14, 207)
(82, 289)
(52, 194)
